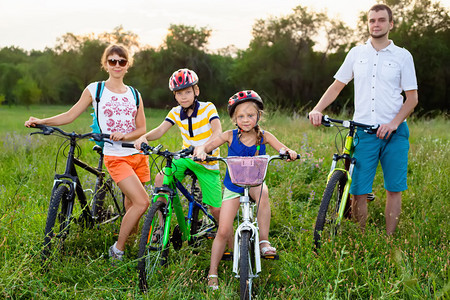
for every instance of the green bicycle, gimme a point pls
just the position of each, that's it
(335, 204)
(155, 236)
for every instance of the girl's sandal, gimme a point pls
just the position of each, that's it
(212, 285)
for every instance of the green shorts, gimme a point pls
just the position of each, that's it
(209, 180)
(227, 194)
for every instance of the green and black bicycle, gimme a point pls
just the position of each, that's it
(335, 204)
(158, 232)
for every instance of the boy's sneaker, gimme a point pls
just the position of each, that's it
(113, 255)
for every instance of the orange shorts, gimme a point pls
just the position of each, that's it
(121, 167)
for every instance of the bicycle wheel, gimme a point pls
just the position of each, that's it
(152, 253)
(58, 220)
(108, 203)
(326, 226)
(246, 254)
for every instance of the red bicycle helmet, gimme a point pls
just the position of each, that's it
(241, 97)
(182, 79)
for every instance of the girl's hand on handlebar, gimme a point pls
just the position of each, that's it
(32, 121)
(139, 141)
(315, 117)
(292, 153)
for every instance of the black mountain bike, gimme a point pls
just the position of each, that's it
(105, 205)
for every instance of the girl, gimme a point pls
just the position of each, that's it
(245, 109)
(121, 117)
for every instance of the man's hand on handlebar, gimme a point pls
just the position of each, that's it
(315, 117)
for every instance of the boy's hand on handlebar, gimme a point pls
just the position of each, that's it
(315, 117)
(32, 121)
(199, 152)
(139, 141)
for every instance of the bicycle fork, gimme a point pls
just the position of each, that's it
(348, 171)
(246, 225)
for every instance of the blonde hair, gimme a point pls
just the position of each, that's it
(258, 131)
(116, 49)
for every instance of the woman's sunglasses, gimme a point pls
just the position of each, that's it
(113, 62)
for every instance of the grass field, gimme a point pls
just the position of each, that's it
(414, 264)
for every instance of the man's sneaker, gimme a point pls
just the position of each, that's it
(113, 255)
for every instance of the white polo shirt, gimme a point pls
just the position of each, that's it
(380, 77)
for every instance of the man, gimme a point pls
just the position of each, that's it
(381, 72)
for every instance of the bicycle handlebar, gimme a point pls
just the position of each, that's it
(47, 130)
(147, 150)
(328, 122)
(208, 158)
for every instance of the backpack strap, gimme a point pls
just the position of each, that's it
(135, 94)
(98, 95)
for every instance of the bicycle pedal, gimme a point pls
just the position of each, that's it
(228, 256)
(271, 257)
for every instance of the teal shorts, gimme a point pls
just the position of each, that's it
(392, 155)
(209, 180)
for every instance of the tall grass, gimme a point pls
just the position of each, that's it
(414, 264)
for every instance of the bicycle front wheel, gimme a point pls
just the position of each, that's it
(58, 220)
(326, 223)
(245, 266)
(153, 253)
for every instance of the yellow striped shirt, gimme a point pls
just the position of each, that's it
(196, 129)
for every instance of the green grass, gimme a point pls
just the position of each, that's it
(414, 264)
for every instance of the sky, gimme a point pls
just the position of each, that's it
(36, 24)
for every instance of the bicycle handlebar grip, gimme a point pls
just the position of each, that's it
(127, 145)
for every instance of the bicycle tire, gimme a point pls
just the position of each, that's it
(152, 255)
(245, 266)
(326, 227)
(108, 202)
(58, 220)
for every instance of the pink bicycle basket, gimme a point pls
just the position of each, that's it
(247, 170)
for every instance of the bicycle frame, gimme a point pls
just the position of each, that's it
(249, 223)
(347, 156)
(70, 176)
(170, 196)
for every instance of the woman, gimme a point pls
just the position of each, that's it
(120, 116)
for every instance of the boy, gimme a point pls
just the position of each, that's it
(198, 122)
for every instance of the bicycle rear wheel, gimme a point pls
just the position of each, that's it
(108, 203)
(246, 263)
(152, 253)
(326, 223)
(58, 220)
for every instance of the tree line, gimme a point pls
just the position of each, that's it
(282, 63)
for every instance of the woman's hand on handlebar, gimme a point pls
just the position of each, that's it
(199, 153)
(32, 121)
(315, 117)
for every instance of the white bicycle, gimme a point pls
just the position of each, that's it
(247, 172)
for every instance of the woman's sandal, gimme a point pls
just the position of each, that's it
(213, 286)
(265, 251)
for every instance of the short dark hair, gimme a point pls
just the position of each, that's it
(378, 7)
